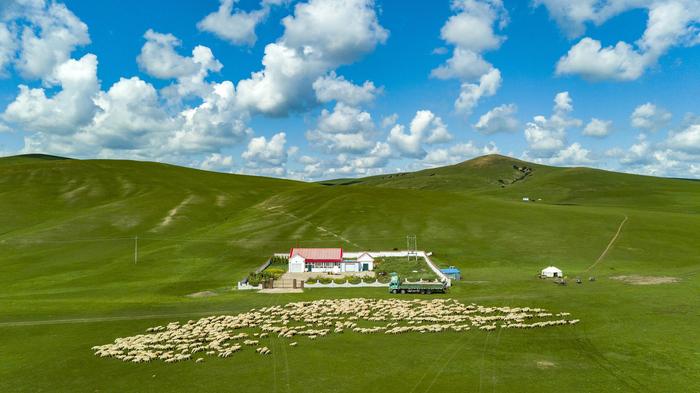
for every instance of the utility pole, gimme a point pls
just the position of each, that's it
(136, 249)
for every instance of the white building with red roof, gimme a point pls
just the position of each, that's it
(326, 260)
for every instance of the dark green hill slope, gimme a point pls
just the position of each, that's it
(482, 173)
(29, 159)
(513, 179)
(594, 187)
(45, 195)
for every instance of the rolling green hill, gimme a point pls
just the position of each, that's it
(486, 172)
(510, 178)
(69, 279)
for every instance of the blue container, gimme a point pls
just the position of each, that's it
(452, 272)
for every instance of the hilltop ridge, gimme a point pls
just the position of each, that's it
(491, 169)
(484, 172)
(491, 175)
(30, 158)
(501, 176)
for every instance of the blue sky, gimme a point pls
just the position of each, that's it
(354, 87)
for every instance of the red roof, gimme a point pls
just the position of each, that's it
(318, 254)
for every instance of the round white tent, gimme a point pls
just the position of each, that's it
(552, 271)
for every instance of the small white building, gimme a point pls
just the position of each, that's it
(552, 271)
(365, 262)
(327, 260)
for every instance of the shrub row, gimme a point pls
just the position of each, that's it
(341, 280)
(257, 278)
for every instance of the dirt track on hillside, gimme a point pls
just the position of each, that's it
(610, 244)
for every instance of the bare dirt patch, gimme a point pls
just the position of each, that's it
(170, 217)
(202, 294)
(646, 280)
(545, 364)
(72, 195)
(221, 200)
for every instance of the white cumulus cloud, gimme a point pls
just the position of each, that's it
(71, 107)
(345, 129)
(471, 31)
(650, 117)
(129, 116)
(336, 88)
(158, 57)
(598, 128)
(266, 153)
(471, 93)
(545, 136)
(217, 162)
(8, 46)
(235, 26)
(572, 155)
(670, 23)
(457, 153)
(317, 38)
(390, 120)
(499, 119)
(425, 128)
(590, 60)
(48, 38)
(687, 140)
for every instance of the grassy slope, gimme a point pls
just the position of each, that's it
(574, 186)
(67, 253)
(472, 175)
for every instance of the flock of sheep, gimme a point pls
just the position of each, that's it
(226, 334)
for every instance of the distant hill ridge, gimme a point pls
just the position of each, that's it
(40, 156)
(506, 177)
(30, 158)
(491, 175)
(493, 170)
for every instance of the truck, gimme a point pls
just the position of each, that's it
(397, 286)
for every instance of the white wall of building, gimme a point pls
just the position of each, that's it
(351, 267)
(296, 264)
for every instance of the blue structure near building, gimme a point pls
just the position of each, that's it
(452, 272)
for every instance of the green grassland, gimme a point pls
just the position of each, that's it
(413, 269)
(68, 279)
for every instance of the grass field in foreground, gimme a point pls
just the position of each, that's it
(68, 280)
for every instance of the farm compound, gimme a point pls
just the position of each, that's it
(327, 260)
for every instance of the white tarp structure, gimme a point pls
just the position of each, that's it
(552, 271)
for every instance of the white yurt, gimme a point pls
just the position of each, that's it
(552, 271)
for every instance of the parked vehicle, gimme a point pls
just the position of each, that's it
(397, 286)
